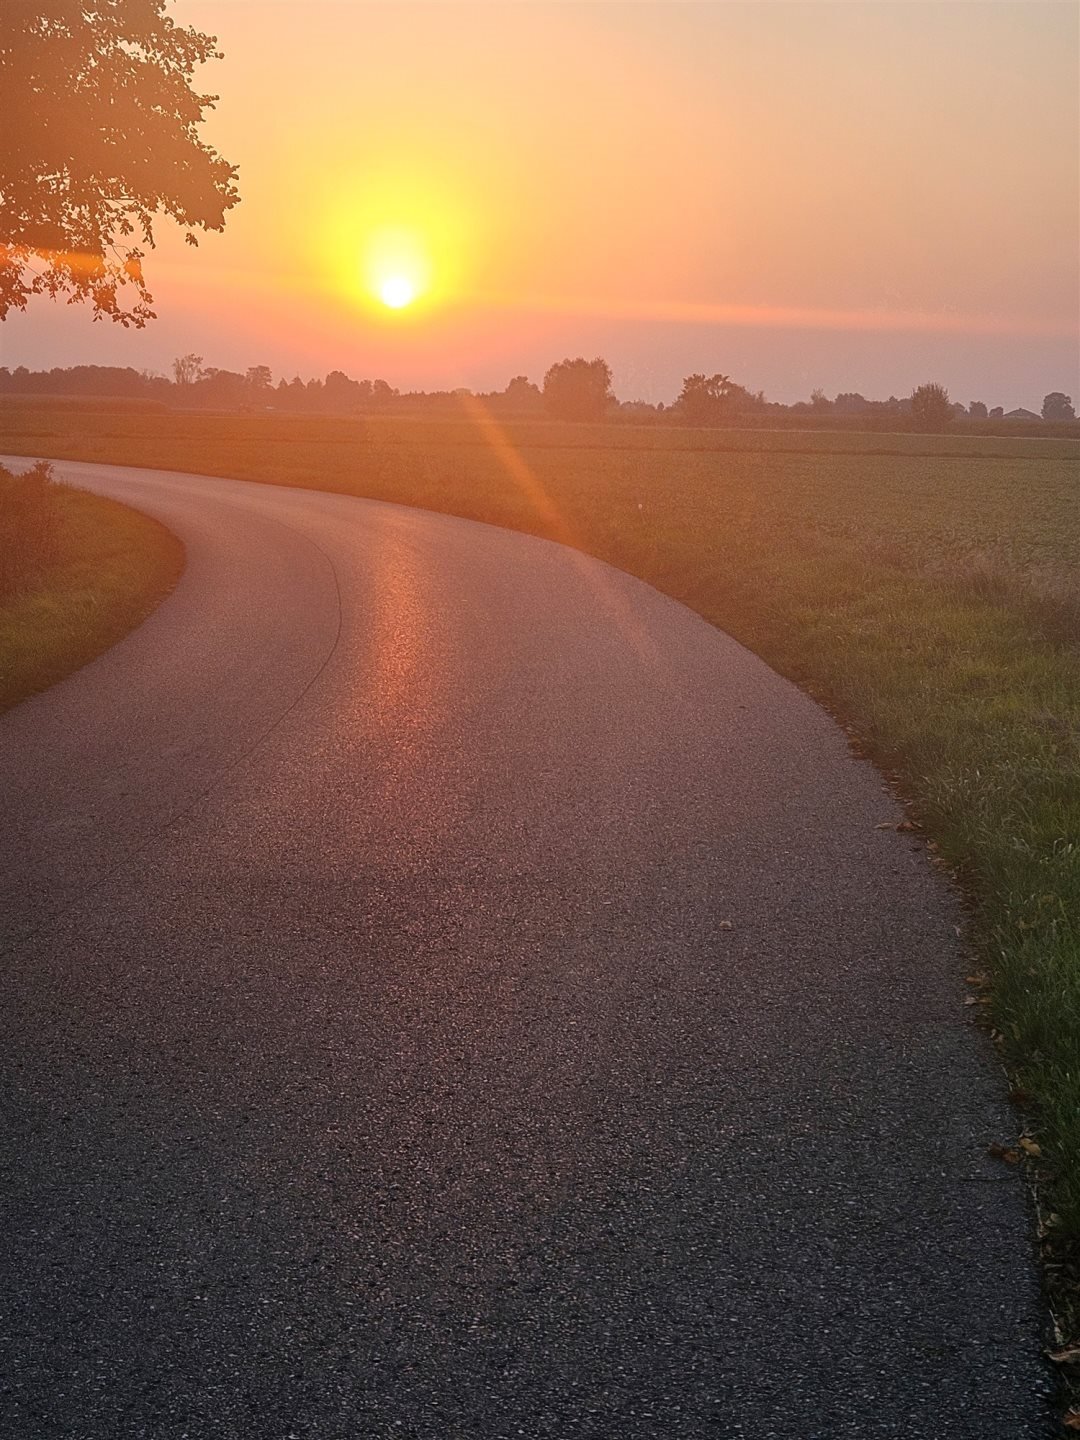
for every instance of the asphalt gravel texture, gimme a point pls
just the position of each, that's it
(450, 990)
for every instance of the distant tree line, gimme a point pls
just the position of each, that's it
(572, 389)
(197, 386)
(203, 387)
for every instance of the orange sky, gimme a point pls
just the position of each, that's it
(856, 195)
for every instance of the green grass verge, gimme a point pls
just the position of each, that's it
(112, 565)
(924, 588)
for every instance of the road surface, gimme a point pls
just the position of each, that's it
(450, 990)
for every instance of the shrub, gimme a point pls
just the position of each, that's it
(29, 528)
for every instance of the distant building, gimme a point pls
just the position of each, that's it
(1021, 414)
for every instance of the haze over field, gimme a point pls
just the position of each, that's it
(856, 196)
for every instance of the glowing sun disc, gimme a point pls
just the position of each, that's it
(397, 292)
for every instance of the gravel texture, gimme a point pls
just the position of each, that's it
(450, 990)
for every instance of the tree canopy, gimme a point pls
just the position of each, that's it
(1058, 406)
(714, 399)
(100, 137)
(931, 407)
(578, 389)
(703, 397)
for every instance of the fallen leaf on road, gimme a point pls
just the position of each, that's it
(1030, 1147)
(1003, 1152)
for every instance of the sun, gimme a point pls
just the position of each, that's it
(400, 248)
(397, 269)
(397, 291)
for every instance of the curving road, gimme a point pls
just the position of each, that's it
(452, 991)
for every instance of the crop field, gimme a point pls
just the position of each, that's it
(926, 589)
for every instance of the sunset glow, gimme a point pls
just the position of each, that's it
(475, 190)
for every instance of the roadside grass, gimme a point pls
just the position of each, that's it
(30, 509)
(924, 588)
(77, 572)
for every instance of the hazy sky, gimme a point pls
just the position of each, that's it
(857, 195)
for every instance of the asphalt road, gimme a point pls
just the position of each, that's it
(449, 990)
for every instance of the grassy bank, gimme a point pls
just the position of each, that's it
(76, 574)
(922, 587)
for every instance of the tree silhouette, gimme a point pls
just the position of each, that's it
(931, 407)
(850, 402)
(99, 137)
(259, 377)
(187, 369)
(341, 393)
(1058, 406)
(703, 398)
(578, 389)
(522, 394)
